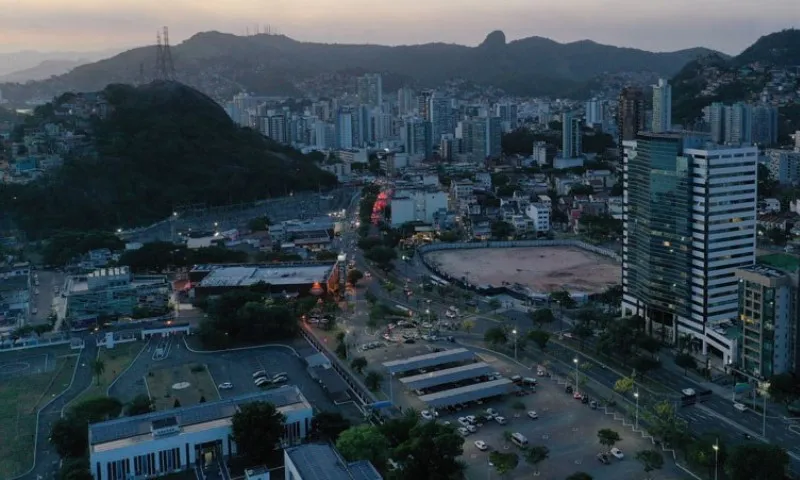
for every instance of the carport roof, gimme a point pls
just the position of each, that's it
(449, 375)
(469, 393)
(428, 360)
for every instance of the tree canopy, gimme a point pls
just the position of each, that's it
(245, 316)
(257, 429)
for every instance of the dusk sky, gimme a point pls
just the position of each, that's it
(90, 25)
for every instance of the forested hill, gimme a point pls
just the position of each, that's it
(161, 145)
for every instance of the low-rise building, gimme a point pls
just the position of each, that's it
(321, 461)
(291, 278)
(540, 214)
(159, 443)
(113, 292)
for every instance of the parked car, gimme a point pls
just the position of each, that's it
(426, 415)
(481, 445)
(603, 458)
(260, 373)
(533, 415)
(471, 428)
(617, 453)
(278, 380)
(471, 419)
(500, 420)
(491, 412)
(463, 421)
(225, 386)
(463, 431)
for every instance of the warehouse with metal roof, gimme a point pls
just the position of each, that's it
(429, 360)
(470, 393)
(448, 375)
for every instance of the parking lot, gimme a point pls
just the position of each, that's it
(565, 425)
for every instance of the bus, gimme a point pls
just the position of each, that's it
(438, 281)
(405, 310)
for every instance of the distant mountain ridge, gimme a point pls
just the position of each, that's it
(17, 61)
(222, 64)
(43, 70)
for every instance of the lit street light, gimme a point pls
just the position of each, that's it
(716, 459)
(636, 424)
(515, 342)
(575, 361)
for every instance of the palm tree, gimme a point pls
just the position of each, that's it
(98, 368)
(536, 455)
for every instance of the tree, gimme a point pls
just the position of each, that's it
(665, 424)
(329, 425)
(495, 336)
(504, 462)
(359, 364)
(579, 476)
(382, 256)
(542, 316)
(140, 405)
(536, 455)
(757, 461)
(98, 367)
(431, 451)
(468, 325)
(494, 303)
(257, 429)
(583, 331)
(685, 361)
(608, 438)
(539, 337)
(784, 388)
(364, 442)
(69, 437)
(176, 404)
(563, 298)
(259, 224)
(502, 230)
(651, 460)
(202, 399)
(623, 385)
(700, 453)
(373, 380)
(353, 276)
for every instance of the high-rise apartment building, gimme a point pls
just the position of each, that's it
(406, 101)
(346, 128)
(571, 136)
(370, 89)
(689, 216)
(424, 104)
(764, 125)
(508, 113)
(442, 119)
(768, 310)
(417, 137)
(715, 118)
(662, 106)
(630, 115)
(784, 165)
(738, 124)
(595, 112)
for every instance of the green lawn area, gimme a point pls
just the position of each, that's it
(116, 361)
(782, 261)
(161, 383)
(20, 399)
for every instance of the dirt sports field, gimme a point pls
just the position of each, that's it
(542, 269)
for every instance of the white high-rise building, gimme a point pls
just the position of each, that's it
(662, 107)
(442, 118)
(370, 89)
(595, 112)
(689, 222)
(571, 136)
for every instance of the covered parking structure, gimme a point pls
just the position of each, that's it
(429, 360)
(449, 375)
(470, 393)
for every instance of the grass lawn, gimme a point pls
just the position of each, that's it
(20, 399)
(782, 261)
(116, 361)
(160, 383)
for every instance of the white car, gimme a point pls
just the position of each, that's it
(689, 392)
(491, 412)
(463, 421)
(277, 380)
(533, 415)
(426, 415)
(500, 420)
(225, 386)
(481, 445)
(471, 428)
(471, 419)
(463, 431)
(617, 453)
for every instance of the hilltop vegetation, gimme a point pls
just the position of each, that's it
(161, 145)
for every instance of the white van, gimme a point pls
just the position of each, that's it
(740, 406)
(519, 439)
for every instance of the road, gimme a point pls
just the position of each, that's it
(47, 460)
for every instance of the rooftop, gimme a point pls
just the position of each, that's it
(428, 360)
(780, 261)
(320, 461)
(764, 271)
(285, 398)
(247, 275)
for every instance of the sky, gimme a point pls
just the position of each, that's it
(658, 25)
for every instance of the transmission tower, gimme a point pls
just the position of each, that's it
(165, 69)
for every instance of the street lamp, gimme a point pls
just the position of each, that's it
(515, 342)
(636, 424)
(575, 361)
(716, 459)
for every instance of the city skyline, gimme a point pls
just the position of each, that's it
(90, 25)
